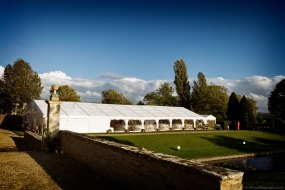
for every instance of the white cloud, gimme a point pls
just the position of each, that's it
(90, 90)
(1, 71)
(260, 100)
(55, 76)
(257, 87)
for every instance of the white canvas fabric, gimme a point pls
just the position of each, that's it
(94, 117)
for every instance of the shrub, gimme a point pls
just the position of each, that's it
(12, 122)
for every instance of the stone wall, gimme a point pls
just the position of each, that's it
(142, 169)
(33, 140)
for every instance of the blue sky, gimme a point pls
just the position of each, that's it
(142, 39)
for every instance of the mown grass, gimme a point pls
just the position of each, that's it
(203, 144)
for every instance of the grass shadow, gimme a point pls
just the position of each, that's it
(237, 144)
(20, 143)
(273, 144)
(70, 174)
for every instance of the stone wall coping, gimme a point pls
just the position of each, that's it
(36, 136)
(196, 166)
(238, 156)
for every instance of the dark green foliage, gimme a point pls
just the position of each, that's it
(200, 95)
(111, 96)
(66, 93)
(202, 82)
(12, 122)
(209, 99)
(276, 100)
(21, 83)
(141, 103)
(233, 111)
(5, 103)
(253, 110)
(245, 112)
(162, 97)
(242, 109)
(182, 84)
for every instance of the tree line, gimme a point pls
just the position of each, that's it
(19, 85)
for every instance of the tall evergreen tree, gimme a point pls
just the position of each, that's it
(245, 112)
(182, 83)
(233, 111)
(252, 109)
(276, 100)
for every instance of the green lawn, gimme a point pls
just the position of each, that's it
(203, 144)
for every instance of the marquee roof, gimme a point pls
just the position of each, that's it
(209, 116)
(82, 110)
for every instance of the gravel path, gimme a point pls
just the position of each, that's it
(21, 168)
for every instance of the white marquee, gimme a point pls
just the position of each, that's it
(97, 118)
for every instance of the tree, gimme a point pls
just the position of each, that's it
(182, 83)
(199, 99)
(111, 96)
(21, 83)
(209, 99)
(162, 97)
(141, 103)
(202, 81)
(68, 94)
(218, 101)
(152, 98)
(276, 100)
(233, 110)
(252, 118)
(252, 107)
(245, 112)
